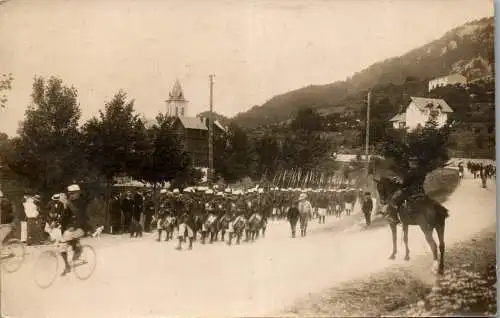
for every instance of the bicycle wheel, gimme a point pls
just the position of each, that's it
(46, 269)
(12, 255)
(84, 266)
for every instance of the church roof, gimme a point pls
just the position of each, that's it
(192, 123)
(176, 92)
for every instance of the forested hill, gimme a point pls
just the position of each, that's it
(468, 50)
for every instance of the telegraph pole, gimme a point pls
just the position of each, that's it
(210, 174)
(367, 135)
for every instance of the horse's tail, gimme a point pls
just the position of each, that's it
(441, 210)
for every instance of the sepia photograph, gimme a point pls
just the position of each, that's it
(256, 158)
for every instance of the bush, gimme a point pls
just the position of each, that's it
(460, 291)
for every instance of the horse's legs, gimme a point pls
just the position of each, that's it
(440, 234)
(394, 240)
(430, 240)
(405, 240)
(159, 235)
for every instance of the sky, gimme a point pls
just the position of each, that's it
(256, 49)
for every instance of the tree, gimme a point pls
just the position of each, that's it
(5, 85)
(428, 145)
(115, 141)
(304, 151)
(236, 160)
(267, 155)
(308, 120)
(47, 152)
(165, 159)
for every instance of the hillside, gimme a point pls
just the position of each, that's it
(468, 50)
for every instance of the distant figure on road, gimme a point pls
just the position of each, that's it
(305, 210)
(461, 170)
(293, 217)
(482, 174)
(367, 207)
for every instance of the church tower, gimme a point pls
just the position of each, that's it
(176, 103)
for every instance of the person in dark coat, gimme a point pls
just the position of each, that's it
(293, 217)
(149, 210)
(367, 207)
(116, 214)
(127, 210)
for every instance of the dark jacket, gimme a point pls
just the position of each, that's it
(293, 214)
(367, 205)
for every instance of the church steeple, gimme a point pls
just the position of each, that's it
(176, 103)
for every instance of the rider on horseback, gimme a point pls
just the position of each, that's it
(412, 188)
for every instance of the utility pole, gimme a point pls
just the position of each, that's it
(210, 174)
(367, 135)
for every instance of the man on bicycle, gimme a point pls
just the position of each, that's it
(72, 224)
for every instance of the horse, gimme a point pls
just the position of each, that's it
(424, 212)
(209, 228)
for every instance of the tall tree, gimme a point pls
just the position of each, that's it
(307, 119)
(237, 159)
(115, 141)
(428, 145)
(165, 159)
(47, 152)
(267, 155)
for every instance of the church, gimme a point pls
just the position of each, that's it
(193, 130)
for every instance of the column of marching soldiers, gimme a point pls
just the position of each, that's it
(231, 214)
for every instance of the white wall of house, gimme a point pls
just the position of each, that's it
(415, 117)
(447, 80)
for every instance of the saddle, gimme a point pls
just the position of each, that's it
(416, 201)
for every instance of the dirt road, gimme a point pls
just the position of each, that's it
(144, 278)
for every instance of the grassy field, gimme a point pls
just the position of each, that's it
(468, 288)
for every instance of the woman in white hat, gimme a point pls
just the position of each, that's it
(305, 210)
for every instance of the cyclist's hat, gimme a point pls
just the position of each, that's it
(73, 188)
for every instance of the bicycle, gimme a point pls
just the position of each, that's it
(12, 255)
(83, 267)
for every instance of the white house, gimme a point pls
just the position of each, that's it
(419, 111)
(451, 79)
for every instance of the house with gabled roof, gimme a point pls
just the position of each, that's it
(419, 111)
